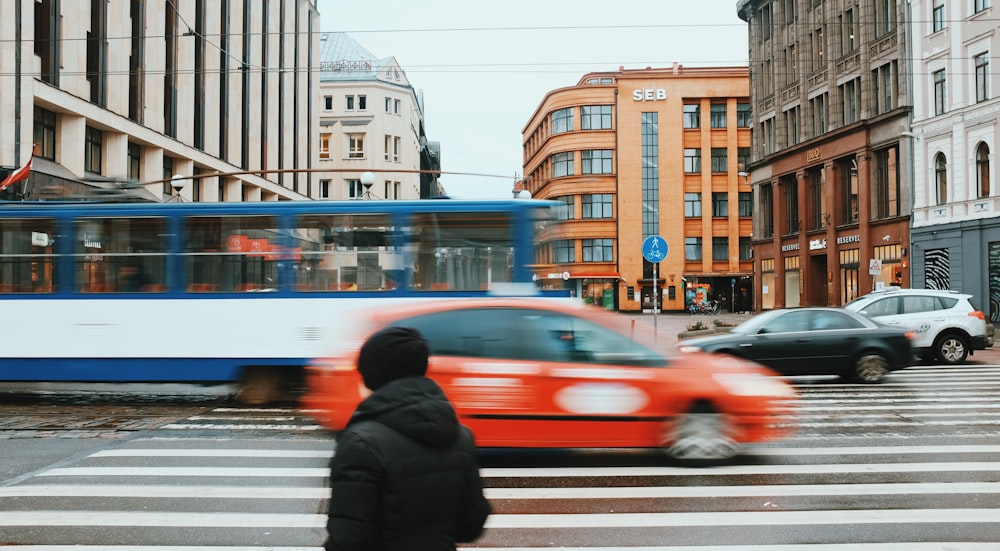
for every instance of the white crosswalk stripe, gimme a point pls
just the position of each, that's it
(910, 465)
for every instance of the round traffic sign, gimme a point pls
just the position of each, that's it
(654, 248)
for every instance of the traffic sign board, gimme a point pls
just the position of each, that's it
(654, 248)
(875, 267)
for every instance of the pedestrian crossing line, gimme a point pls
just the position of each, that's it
(162, 519)
(214, 452)
(908, 546)
(776, 490)
(745, 518)
(963, 422)
(975, 406)
(908, 415)
(160, 548)
(285, 418)
(256, 472)
(519, 521)
(542, 472)
(729, 470)
(159, 491)
(233, 426)
(598, 492)
(879, 450)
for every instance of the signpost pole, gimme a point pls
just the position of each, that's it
(656, 297)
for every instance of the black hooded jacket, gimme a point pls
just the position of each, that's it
(405, 475)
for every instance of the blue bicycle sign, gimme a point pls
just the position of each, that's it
(654, 249)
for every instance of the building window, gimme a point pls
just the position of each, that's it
(324, 146)
(392, 189)
(44, 134)
(328, 103)
(720, 204)
(388, 105)
(940, 91)
(564, 251)
(355, 146)
(595, 117)
(742, 158)
(765, 22)
(983, 169)
(767, 135)
(848, 170)
(982, 62)
(941, 179)
(355, 190)
(692, 160)
(849, 96)
(692, 115)
(980, 5)
(791, 69)
(887, 182)
(849, 32)
(598, 205)
(816, 206)
(598, 250)
(746, 204)
(596, 161)
(392, 148)
(692, 248)
(692, 205)
(718, 115)
(767, 211)
(818, 48)
(565, 210)
(324, 189)
(562, 164)
(350, 103)
(792, 125)
(746, 251)
(720, 248)
(168, 172)
(818, 107)
(134, 160)
(937, 16)
(650, 175)
(878, 90)
(93, 146)
(562, 120)
(790, 186)
(743, 115)
(720, 159)
(886, 17)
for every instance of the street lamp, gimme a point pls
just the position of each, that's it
(367, 179)
(177, 182)
(745, 175)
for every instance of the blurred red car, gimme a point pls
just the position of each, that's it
(542, 373)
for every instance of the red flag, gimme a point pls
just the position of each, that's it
(17, 175)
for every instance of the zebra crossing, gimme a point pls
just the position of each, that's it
(909, 464)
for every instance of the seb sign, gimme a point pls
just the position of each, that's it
(649, 94)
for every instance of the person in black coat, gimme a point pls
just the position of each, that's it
(405, 474)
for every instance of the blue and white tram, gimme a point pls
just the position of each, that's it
(234, 292)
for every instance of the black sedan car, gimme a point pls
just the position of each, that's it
(814, 341)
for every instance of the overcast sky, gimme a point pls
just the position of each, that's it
(484, 67)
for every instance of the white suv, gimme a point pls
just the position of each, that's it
(946, 325)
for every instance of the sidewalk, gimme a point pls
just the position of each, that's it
(669, 324)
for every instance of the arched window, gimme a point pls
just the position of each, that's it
(941, 178)
(983, 169)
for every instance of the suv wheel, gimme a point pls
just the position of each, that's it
(951, 349)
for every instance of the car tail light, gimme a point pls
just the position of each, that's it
(911, 335)
(978, 314)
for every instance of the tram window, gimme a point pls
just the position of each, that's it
(120, 255)
(461, 251)
(346, 252)
(232, 253)
(27, 263)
